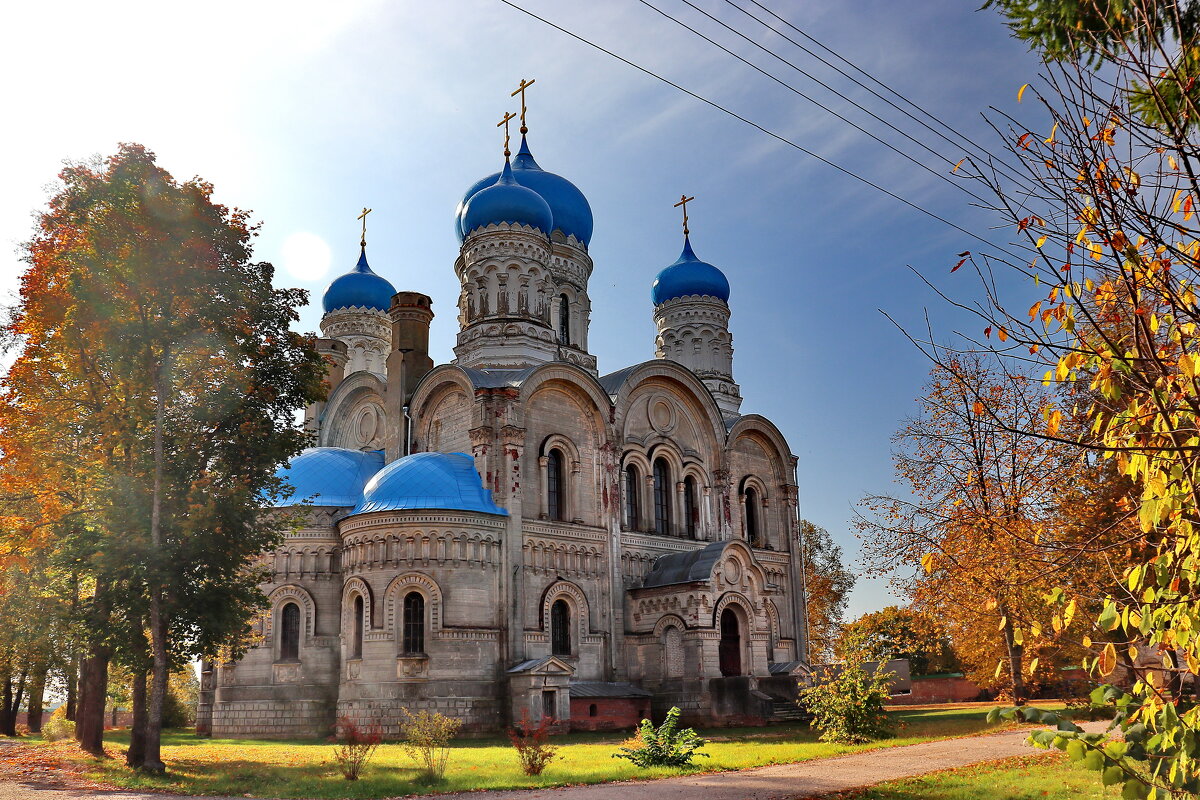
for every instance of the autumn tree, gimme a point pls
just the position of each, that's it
(1099, 187)
(981, 491)
(827, 586)
(157, 367)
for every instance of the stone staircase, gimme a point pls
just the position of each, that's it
(786, 711)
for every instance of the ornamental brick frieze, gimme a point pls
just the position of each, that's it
(290, 562)
(565, 531)
(551, 557)
(366, 552)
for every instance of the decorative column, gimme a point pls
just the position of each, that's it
(680, 524)
(544, 484)
(572, 491)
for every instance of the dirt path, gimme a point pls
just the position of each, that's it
(781, 782)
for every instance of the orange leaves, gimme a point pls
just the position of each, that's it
(962, 259)
(1108, 659)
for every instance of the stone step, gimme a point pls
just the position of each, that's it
(785, 711)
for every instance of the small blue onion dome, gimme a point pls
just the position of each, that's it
(428, 481)
(569, 208)
(506, 201)
(359, 288)
(328, 476)
(688, 276)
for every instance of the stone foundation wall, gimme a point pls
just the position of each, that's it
(476, 703)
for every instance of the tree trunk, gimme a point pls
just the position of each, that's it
(137, 732)
(1015, 657)
(37, 695)
(152, 761)
(73, 667)
(89, 711)
(8, 717)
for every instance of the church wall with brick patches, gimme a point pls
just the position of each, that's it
(515, 535)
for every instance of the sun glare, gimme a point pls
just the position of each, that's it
(306, 256)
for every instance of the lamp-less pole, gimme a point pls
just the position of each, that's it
(404, 396)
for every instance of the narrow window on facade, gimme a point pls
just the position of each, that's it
(753, 523)
(548, 704)
(691, 509)
(564, 319)
(662, 497)
(555, 493)
(560, 628)
(356, 643)
(414, 623)
(289, 633)
(632, 510)
(592, 710)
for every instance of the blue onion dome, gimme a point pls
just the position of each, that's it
(570, 210)
(506, 201)
(359, 288)
(328, 476)
(689, 276)
(428, 481)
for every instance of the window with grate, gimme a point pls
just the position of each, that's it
(414, 623)
(357, 642)
(564, 319)
(554, 485)
(633, 482)
(560, 628)
(662, 497)
(289, 633)
(753, 522)
(691, 510)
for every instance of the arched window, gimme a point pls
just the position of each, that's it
(555, 494)
(729, 649)
(564, 319)
(691, 510)
(414, 623)
(753, 520)
(633, 482)
(560, 628)
(662, 497)
(289, 632)
(357, 641)
(592, 710)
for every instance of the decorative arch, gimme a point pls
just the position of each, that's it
(762, 430)
(358, 587)
(713, 422)
(298, 595)
(741, 604)
(402, 585)
(575, 381)
(360, 388)
(576, 599)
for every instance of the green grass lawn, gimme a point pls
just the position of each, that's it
(1050, 777)
(304, 769)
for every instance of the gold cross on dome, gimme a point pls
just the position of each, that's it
(507, 116)
(363, 217)
(683, 201)
(521, 91)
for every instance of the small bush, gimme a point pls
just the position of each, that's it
(58, 727)
(353, 746)
(533, 751)
(847, 707)
(427, 736)
(662, 746)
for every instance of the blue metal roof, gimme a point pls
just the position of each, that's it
(506, 201)
(570, 209)
(329, 476)
(428, 481)
(688, 276)
(360, 287)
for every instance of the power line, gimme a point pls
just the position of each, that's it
(755, 125)
(817, 103)
(965, 141)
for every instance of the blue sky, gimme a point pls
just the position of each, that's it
(305, 112)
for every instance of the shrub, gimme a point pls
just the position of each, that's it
(58, 727)
(662, 746)
(533, 751)
(353, 746)
(427, 736)
(847, 706)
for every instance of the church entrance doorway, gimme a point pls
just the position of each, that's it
(730, 649)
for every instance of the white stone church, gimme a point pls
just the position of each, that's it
(514, 533)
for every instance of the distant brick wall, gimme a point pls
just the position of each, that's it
(612, 713)
(939, 689)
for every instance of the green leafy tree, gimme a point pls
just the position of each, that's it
(157, 368)
(901, 632)
(847, 700)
